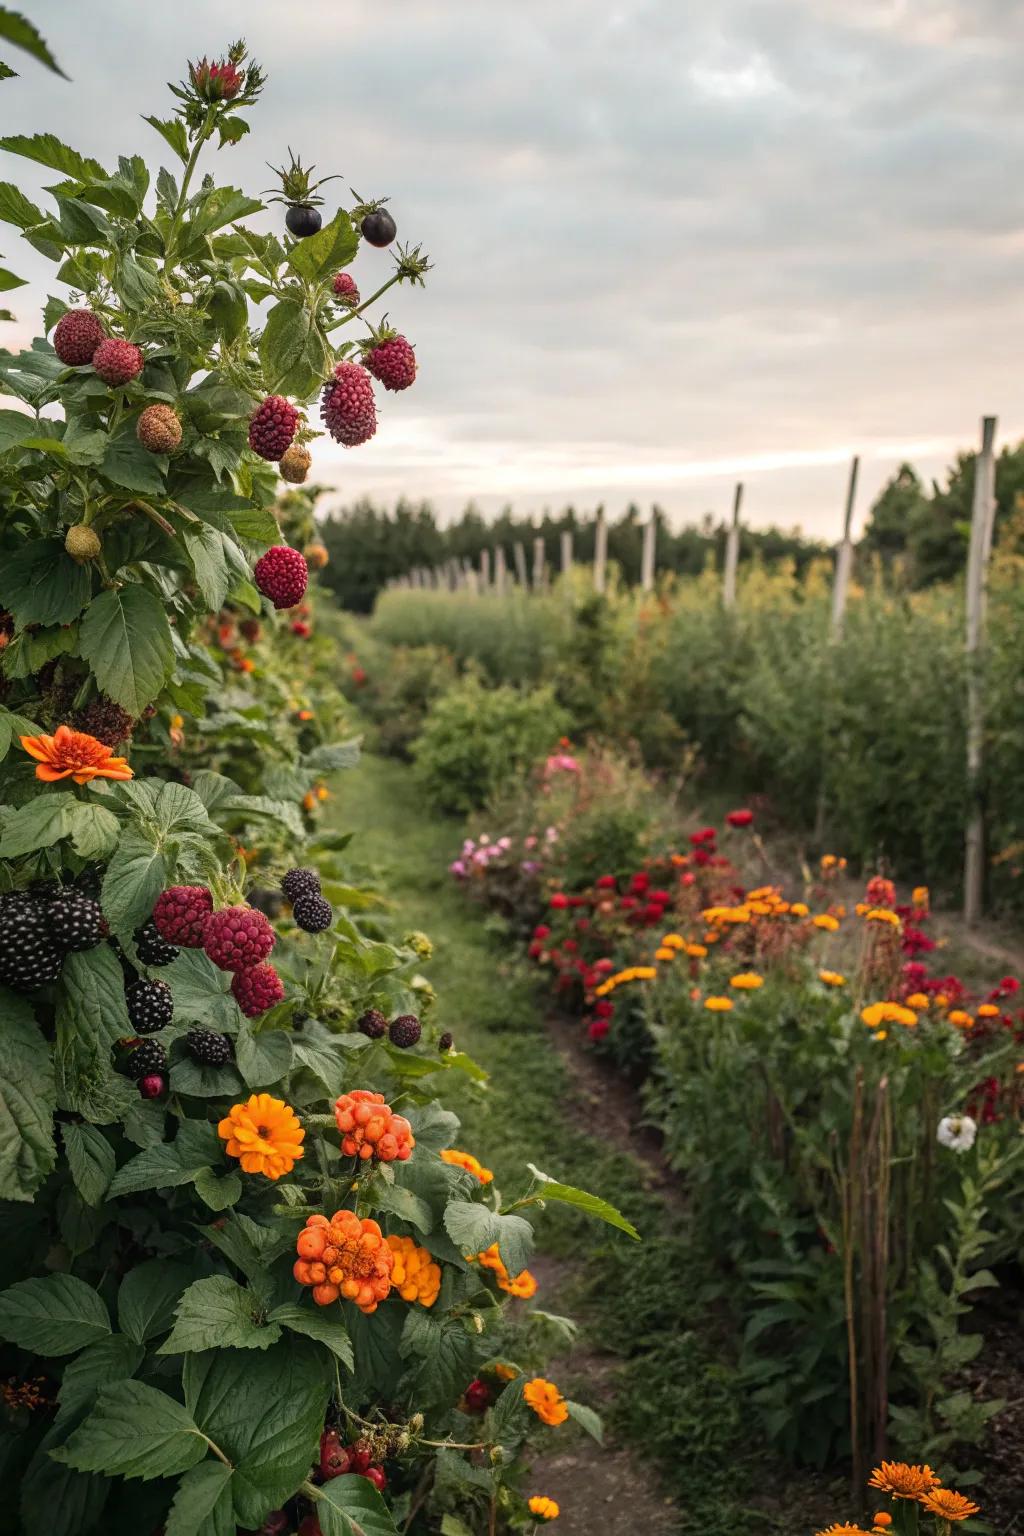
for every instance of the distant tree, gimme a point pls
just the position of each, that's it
(894, 514)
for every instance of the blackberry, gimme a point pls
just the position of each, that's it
(150, 1006)
(300, 882)
(105, 720)
(405, 1031)
(76, 921)
(373, 1024)
(446, 1042)
(28, 956)
(312, 913)
(152, 949)
(148, 1057)
(207, 1047)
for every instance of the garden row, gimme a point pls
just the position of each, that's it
(845, 1113)
(863, 735)
(249, 1279)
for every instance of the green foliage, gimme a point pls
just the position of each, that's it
(477, 739)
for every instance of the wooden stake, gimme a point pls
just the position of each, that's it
(732, 551)
(520, 557)
(539, 575)
(647, 559)
(485, 569)
(600, 550)
(844, 555)
(500, 573)
(566, 551)
(983, 510)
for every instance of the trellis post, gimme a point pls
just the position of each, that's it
(732, 551)
(647, 558)
(500, 572)
(844, 555)
(600, 550)
(983, 509)
(538, 563)
(519, 554)
(485, 569)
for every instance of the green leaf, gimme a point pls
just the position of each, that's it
(53, 1316)
(169, 1164)
(114, 1358)
(405, 1205)
(265, 1058)
(148, 1297)
(135, 876)
(587, 1419)
(38, 824)
(593, 1205)
(473, 1228)
(511, 1419)
(46, 149)
(128, 464)
(28, 1099)
(172, 130)
(201, 1081)
(9, 280)
(218, 1313)
(94, 830)
(12, 728)
(351, 1506)
(216, 560)
(217, 1193)
(92, 993)
(317, 1323)
(41, 584)
(320, 255)
(18, 30)
(134, 1431)
(445, 1352)
(293, 351)
(73, 1500)
(202, 1504)
(126, 639)
(91, 1160)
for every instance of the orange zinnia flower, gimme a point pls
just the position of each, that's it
(546, 1401)
(264, 1134)
(718, 1004)
(544, 1509)
(523, 1285)
(949, 1505)
(69, 754)
(903, 1481)
(466, 1160)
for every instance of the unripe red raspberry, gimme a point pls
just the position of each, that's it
(392, 362)
(181, 913)
(257, 989)
(377, 1476)
(282, 575)
(477, 1397)
(272, 426)
(295, 464)
(345, 290)
(347, 405)
(159, 429)
(117, 361)
(302, 629)
(238, 938)
(82, 543)
(152, 1087)
(78, 334)
(335, 1460)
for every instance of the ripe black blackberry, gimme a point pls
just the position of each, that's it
(150, 1006)
(373, 1024)
(147, 1057)
(300, 882)
(312, 913)
(152, 949)
(405, 1031)
(76, 921)
(207, 1047)
(446, 1042)
(28, 956)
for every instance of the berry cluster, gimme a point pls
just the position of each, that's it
(346, 1256)
(347, 406)
(282, 575)
(312, 913)
(38, 928)
(370, 1129)
(237, 939)
(339, 1460)
(272, 426)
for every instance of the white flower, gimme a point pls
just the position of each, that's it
(957, 1132)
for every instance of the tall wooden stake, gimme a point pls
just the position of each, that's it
(500, 572)
(600, 550)
(485, 569)
(539, 574)
(520, 557)
(844, 555)
(647, 558)
(566, 551)
(732, 551)
(983, 511)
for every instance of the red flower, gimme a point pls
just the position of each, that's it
(705, 835)
(605, 882)
(741, 818)
(604, 1009)
(597, 1029)
(559, 901)
(541, 931)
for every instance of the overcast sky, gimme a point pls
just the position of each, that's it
(676, 243)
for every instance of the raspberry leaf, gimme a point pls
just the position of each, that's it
(592, 1205)
(320, 255)
(314, 1323)
(91, 1160)
(134, 1431)
(39, 824)
(202, 1504)
(41, 584)
(293, 351)
(126, 639)
(351, 1506)
(265, 1058)
(148, 1297)
(53, 1316)
(28, 1099)
(218, 1313)
(473, 1228)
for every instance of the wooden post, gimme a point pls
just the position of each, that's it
(600, 550)
(520, 558)
(566, 543)
(983, 509)
(647, 559)
(844, 555)
(732, 551)
(485, 570)
(500, 572)
(539, 574)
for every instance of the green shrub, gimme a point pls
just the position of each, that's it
(476, 739)
(402, 687)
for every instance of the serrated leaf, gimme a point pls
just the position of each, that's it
(264, 1058)
(126, 639)
(293, 351)
(91, 1160)
(41, 584)
(92, 991)
(148, 1297)
(218, 1313)
(18, 30)
(317, 1323)
(94, 830)
(587, 1419)
(172, 131)
(134, 1431)
(202, 1503)
(405, 1205)
(218, 1192)
(320, 255)
(135, 876)
(170, 1164)
(114, 1358)
(47, 149)
(473, 1228)
(38, 824)
(592, 1205)
(56, 1315)
(28, 1099)
(128, 464)
(351, 1506)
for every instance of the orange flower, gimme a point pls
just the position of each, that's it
(832, 978)
(903, 1481)
(800, 909)
(345, 1257)
(949, 1505)
(696, 951)
(920, 896)
(664, 954)
(544, 1509)
(523, 1285)
(961, 1019)
(264, 1134)
(414, 1274)
(844, 1530)
(826, 921)
(466, 1160)
(882, 915)
(919, 1000)
(546, 1401)
(746, 981)
(69, 754)
(988, 1011)
(882, 1519)
(718, 1004)
(370, 1129)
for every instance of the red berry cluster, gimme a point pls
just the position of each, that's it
(272, 426)
(236, 939)
(339, 1460)
(392, 363)
(347, 406)
(282, 574)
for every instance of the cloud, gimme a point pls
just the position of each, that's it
(673, 244)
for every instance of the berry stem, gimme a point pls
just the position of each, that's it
(190, 165)
(353, 313)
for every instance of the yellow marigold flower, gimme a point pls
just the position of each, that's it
(544, 1509)
(673, 941)
(902, 1481)
(882, 915)
(718, 1004)
(920, 896)
(177, 721)
(760, 908)
(698, 951)
(746, 981)
(644, 972)
(414, 1274)
(918, 1000)
(604, 988)
(941, 1000)
(309, 801)
(712, 936)
(861, 908)
(762, 893)
(987, 1011)
(832, 978)
(888, 1013)
(726, 914)
(826, 922)
(546, 1401)
(467, 1161)
(264, 1134)
(75, 755)
(828, 861)
(961, 1019)
(800, 909)
(949, 1505)
(523, 1285)
(664, 954)
(322, 792)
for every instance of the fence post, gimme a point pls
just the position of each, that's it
(600, 550)
(485, 569)
(732, 551)
(844, 555)
(983, 508)
(647, 558)
(566, 550)
(520, 558)
(499, 570)
(539, 573)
